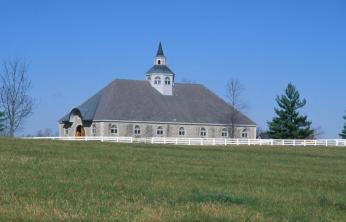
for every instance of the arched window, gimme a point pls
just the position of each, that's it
(157, 80)
(167, 81)
(93, 130)
(224, 132)
(244, 133)
(114, 130)
(159, 62)
(137, 130)
(159, 131)
(181, 131)
(65, 131)
(203, 132)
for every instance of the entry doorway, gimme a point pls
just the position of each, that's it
(80, 131)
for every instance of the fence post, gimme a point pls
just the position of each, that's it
(225, 142)
(237, 142)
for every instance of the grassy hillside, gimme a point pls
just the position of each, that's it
(92, 181)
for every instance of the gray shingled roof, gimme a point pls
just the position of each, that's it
(159, 69)
(134, 100)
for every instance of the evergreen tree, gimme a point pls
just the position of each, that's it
(289, 124)
(343, 133)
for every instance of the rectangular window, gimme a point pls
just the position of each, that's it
(93, 130)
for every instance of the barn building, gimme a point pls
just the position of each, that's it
(155, 107)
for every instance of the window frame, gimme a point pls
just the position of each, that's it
(224, 132)
(157, 80)
(93, 130)
(159, 131)
(65, 131)
(181, 131)
(244, 133)
(113, 127)
(167, 81)
(203, 132)
(137, 130)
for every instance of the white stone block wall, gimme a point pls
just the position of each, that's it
(126, 129)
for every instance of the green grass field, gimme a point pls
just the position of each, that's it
(93, 181)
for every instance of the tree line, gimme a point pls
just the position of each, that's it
(288, 122)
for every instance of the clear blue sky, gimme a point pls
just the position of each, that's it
(77, 47)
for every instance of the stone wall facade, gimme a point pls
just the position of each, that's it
(127, 129)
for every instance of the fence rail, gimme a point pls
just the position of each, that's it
(205, 141)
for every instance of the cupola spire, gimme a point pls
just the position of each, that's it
(160, 51)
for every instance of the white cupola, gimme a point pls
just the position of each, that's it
(160, 76)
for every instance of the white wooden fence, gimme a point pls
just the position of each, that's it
(206, 141)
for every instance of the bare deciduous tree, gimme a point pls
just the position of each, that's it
(234, 97)
(186, 80)
(318, 133)
(15, 101)
(47, 132)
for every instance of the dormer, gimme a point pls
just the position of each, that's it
(160, 76)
